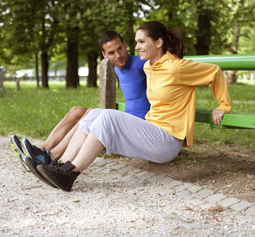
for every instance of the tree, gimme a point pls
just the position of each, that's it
(203, 23)
(32, 27)
(204, 28)
(242, 12)
(178, 14)
(48, 23)
(72, 17)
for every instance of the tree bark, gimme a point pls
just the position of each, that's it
(231, 75)
(37, 70)
(131, 42)
(17, 84)
(92, 77)
(1, 83)
(204, 25)
(72, 76)
(45, 68)
(130, 30)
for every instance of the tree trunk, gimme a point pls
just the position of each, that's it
(72, 76)
(130, 30)
(17, 84)
(92, 77)
(45, 67)
(131, 42)
(204, 25)
(1, 83)
(37, 70)
(231, 75)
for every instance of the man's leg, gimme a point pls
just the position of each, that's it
(63, 127)
(59, 150)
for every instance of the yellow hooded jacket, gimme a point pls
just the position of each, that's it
(171, 91)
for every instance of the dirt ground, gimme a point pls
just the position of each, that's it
(229, 169)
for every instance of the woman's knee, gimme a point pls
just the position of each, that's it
(110, 113)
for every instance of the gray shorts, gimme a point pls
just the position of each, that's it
(127, 135)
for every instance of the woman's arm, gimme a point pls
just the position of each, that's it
(198, 73)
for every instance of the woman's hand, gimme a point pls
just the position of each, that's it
(217, 116)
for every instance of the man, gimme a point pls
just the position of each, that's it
(132, 79)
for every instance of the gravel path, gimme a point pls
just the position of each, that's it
(113, 199)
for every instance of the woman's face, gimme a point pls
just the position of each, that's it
(148, 48)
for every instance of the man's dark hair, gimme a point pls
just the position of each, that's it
(109, 36)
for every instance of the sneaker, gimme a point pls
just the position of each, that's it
(32, 165)
(18, 151)
(35, 152)
(61, 176)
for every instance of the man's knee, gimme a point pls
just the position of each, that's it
(86, 112)
(76, 113)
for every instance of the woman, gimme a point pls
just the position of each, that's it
(169, 124)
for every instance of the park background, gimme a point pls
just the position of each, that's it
(56, 39)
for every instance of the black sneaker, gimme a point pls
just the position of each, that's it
(32, 165)
(35, 152)
(61, 176)
(18, 151)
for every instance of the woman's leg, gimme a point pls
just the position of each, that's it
(59, 150)
(74, 146)
(89, 151)
(125, 134)
(79, 138)
(115, 132)
(64, 176)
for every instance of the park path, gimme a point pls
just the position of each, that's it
(111, 198)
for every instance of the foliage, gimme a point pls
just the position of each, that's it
(29, 27)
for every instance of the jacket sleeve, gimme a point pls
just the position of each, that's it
(197, 73)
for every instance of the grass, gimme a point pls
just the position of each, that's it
(243, 100)
(35, 113)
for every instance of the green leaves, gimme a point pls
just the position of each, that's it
(28, 26)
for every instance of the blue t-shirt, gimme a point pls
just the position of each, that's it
(133, 84)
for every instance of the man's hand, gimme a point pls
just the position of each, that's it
(217, 116)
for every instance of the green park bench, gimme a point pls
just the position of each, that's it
(225, 62)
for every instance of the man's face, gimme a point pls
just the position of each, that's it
(116, 52)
